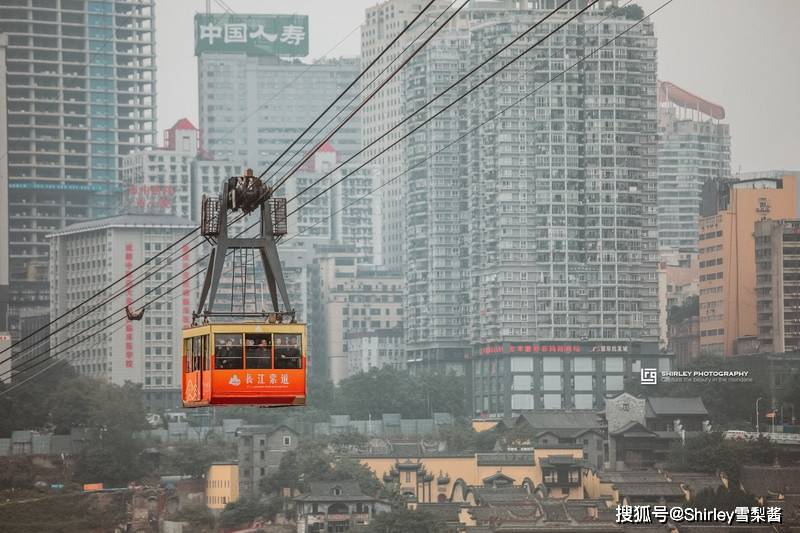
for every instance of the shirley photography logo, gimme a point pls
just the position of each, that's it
(649, 376)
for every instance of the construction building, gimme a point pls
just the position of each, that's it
(81, 96)
(694, 146)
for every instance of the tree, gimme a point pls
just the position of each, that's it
(347, 468)
(198, 516)
(689, 308)
(711, 452)
(462, 437)
(387, 390)
(723, 498)
(192, 458)
(311, 462)
(407, 521)
(244, 512)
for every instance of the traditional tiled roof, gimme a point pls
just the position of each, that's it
(444, 511)
(335, 491)
(557, 419)
(696, 482)
(649, 489)
(760, 480)
(685, 406)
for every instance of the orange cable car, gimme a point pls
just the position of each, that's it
(241, 361)
(245, 363)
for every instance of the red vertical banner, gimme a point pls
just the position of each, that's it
(185, 289)
(128, 301)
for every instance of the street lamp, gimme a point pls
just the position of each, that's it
(757, 428)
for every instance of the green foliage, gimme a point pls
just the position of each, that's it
(113, 454)
(689, 308)
(461, 437)
(711, 452)
(406, 521)
(347, 468)
(191, 458)
(387, 390)
(198, 516)
(520, 435)
(64, 513)
(632, 12)
(27, 407)
(312, 461)
(724, 499)
(244, 512)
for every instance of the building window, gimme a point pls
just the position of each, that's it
(287, 440)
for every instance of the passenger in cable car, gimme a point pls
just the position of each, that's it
(287, 351)
(259, 351)
(229, 352)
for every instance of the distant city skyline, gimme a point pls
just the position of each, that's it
(761, 106)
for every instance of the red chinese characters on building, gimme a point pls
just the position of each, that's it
(128, 302)
(534, 348)
(157, 198)
(186, 313)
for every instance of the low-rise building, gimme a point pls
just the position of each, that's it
(431, 477)
(380, 348)
(260, 450)
(336, 506)
(584, 428)
(348, 298)
(222, 485)
(641, 430)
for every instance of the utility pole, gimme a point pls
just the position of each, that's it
(757, 427)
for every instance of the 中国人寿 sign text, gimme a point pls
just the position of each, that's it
(280, 35)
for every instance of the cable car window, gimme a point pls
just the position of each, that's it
(206, 353)
(287, 351)
(258, 350)
(197, 353)
(187, 354)
(228, 351)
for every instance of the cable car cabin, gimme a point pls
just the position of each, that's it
(244, 364)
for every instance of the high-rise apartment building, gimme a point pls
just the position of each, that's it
(81, 95)
(777, 250)
(727, 257)
(5, 338)
(347, 298)
(88, 256)
(693, 147)
(346, 214)
(539, 229)
(382, 24)
(256, 96)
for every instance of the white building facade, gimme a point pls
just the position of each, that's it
(87, 257)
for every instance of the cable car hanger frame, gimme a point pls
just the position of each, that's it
(246, 194)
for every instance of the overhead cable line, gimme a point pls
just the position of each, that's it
(160, 253)
(492, 118)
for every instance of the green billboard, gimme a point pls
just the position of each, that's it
(260, 35)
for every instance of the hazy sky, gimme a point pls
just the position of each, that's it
(742, 54)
